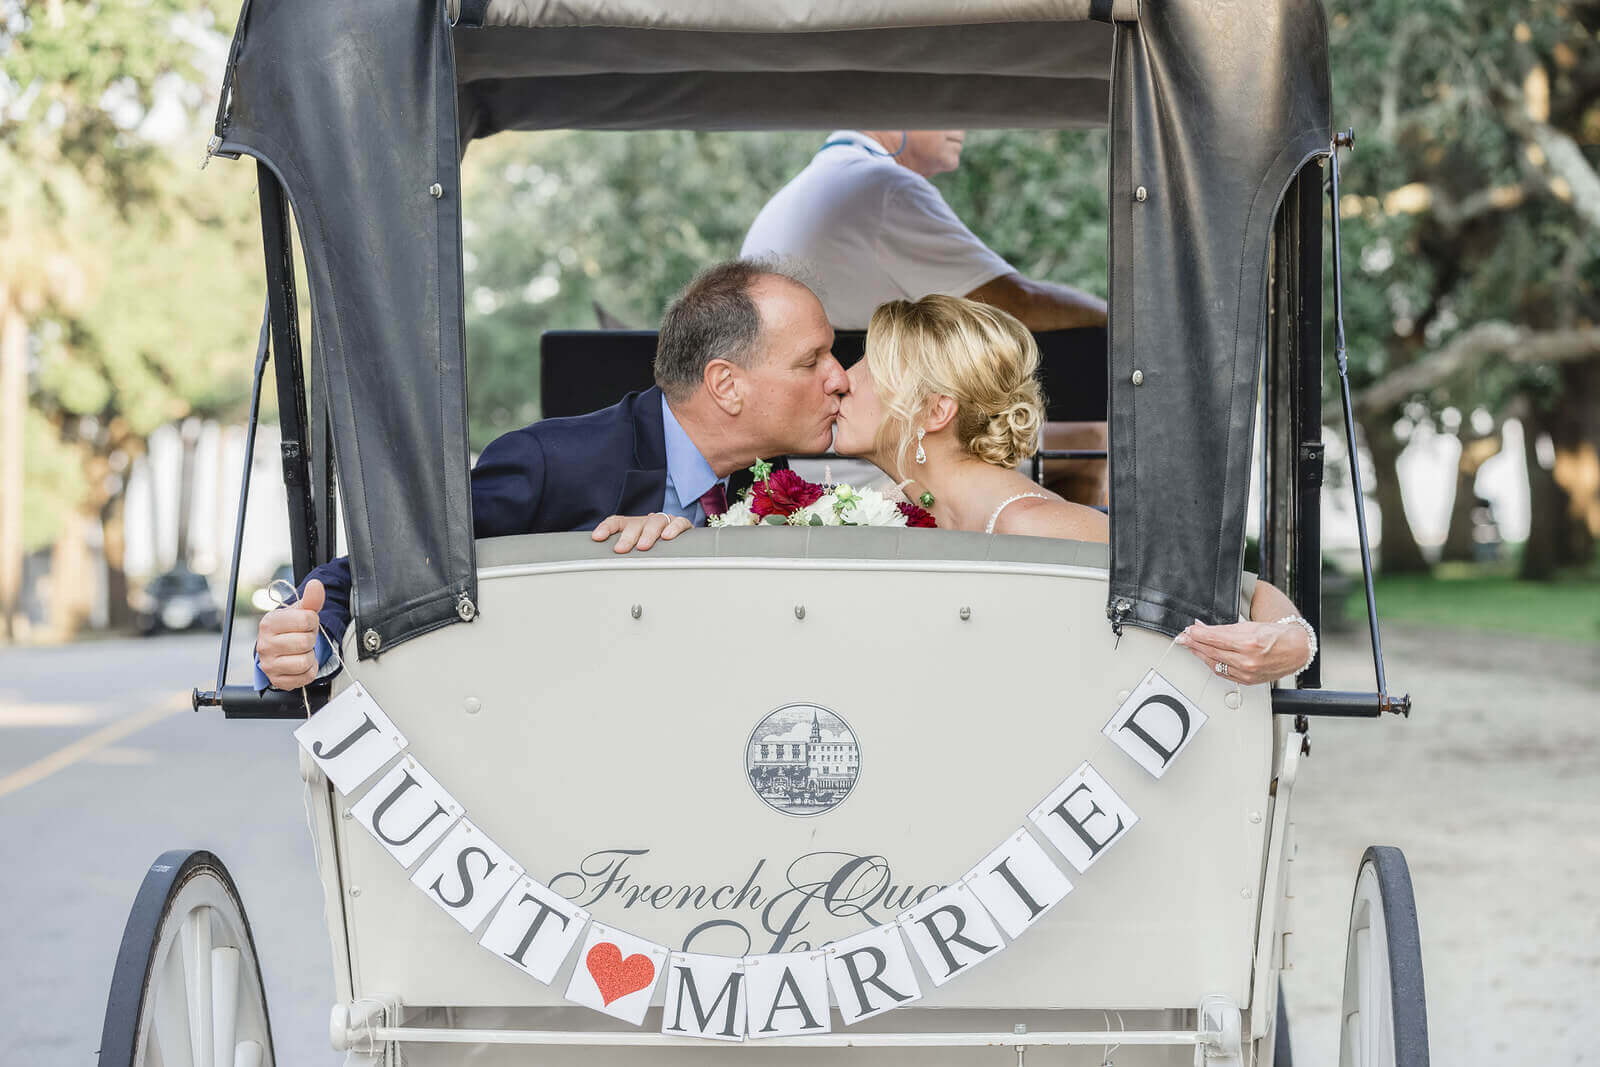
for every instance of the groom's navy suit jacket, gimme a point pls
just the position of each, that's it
(553, 476)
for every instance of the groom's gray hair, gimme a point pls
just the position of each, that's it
(714, 317)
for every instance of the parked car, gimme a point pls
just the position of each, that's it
(179, 599)
(261, 599)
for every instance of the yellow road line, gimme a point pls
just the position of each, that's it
(85, 746)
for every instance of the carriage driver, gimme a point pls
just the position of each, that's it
(744, 369)
(864, 216)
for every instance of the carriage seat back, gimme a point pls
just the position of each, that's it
(585, 370)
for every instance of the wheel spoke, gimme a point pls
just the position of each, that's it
(1364, 997)
(171, 1013)
(197, 984)
(224, 1004)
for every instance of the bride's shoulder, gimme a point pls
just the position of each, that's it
(1051, 516)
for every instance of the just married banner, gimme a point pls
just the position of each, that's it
(451, 856)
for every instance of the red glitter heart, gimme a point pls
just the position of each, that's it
(617, 977)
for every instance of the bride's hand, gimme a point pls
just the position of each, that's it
(1253, 652)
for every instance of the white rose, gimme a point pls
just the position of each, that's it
(872, 508)
(738, 514)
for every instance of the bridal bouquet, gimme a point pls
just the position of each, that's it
(783, 498)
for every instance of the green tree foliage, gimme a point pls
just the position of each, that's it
(1471, 214)
(122, 259)
(558, 222)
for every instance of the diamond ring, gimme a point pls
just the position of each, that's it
(1222, 669)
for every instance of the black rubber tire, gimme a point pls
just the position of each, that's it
(130, 977)
(1407, 996)
(1281, 1053)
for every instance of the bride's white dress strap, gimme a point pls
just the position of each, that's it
(1005, 503)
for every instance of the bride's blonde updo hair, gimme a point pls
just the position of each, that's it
(979, 355)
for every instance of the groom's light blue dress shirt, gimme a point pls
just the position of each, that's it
(689, 476)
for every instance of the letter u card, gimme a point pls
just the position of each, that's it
(1155, 723)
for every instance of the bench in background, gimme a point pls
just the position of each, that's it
(585, 370)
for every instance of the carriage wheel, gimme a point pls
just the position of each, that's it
(1282, 1056)
(1385, 1012)
(186, 990)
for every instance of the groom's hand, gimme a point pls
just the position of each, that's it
(640, 531)
(287, 639)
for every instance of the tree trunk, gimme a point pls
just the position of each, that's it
(71, 580)
(1459, 543)
(13, 400)
(189, 435)
(1565, 498)
(1547, 518)
(1398, 552)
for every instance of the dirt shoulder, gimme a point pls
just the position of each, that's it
(1492, 790)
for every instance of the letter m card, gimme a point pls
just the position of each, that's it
(1155, 723)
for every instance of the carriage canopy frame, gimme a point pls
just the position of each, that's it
(361, 111)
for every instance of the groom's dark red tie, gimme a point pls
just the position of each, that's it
(715, 500)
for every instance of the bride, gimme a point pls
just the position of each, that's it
(947, 402)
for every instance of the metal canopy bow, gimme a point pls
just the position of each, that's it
(361, 108)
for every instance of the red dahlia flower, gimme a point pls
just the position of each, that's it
(783, 493)
(916, 516)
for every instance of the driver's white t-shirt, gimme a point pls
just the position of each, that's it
(871, 231)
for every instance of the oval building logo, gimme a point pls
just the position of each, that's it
(802, 759)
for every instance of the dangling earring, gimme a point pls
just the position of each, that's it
(922, 457)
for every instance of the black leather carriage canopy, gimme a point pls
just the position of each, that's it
(363, 107)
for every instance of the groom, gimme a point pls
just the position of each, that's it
(744, 369)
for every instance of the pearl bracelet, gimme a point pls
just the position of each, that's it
(1311, 636)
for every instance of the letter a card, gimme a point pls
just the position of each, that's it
(616, 973)
(787, 994)
(350, 738)
(1155, 723)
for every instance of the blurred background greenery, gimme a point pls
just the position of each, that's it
(131, 288)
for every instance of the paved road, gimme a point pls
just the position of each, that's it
(78, 840)
(1492, 789)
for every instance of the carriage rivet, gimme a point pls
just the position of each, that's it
(355, 891)
(966, 613)
(638, 610)
(1138, 377)
(465, 608)
(473, 705)
(1255, 816)
(799, 611)
(1245, 893)
(436, 190)
(348, 814)
(371, 640)
(1140, 194)
(1122, 697)
(1232, 698)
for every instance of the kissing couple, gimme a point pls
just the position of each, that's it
(946, 402)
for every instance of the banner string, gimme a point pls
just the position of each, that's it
(283, 593)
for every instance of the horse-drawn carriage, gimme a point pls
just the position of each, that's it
(1034, 773)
